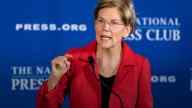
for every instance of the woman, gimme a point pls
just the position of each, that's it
(105, 73)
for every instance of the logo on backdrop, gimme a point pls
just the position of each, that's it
(163, 79)
(50, 27)
(157, 29)
(153, 29)
(28, 77)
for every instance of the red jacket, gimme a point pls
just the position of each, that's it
(132, 83)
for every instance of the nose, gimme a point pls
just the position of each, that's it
(106, 26)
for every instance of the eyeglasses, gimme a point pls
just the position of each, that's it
(113, 24)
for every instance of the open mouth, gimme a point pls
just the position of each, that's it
(105, 37)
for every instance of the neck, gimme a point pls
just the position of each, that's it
(107, 56)
(108, 60)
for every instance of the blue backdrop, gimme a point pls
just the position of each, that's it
(33, 32)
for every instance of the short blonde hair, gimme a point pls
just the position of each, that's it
(125, 7)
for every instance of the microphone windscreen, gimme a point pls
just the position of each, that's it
(90, 60)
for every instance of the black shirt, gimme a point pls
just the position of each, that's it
(106, 86)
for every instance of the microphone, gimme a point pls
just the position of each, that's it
(91, 61)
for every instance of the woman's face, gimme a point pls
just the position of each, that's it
(110, 28)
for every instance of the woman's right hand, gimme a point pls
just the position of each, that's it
(60, 65)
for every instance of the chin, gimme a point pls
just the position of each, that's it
(106, 46)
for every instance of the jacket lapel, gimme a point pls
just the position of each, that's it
(91, 71)
(127, 65)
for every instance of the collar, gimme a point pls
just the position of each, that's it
(127, 57)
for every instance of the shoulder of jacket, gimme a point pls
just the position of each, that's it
(140, 59)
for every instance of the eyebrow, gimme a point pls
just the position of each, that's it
(115, 19)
